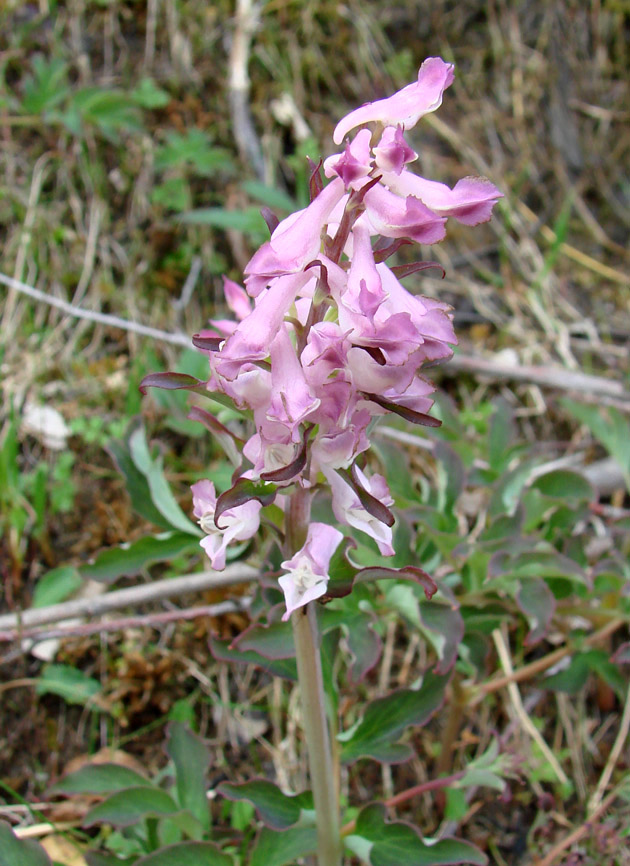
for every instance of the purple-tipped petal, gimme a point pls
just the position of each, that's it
(406, 107)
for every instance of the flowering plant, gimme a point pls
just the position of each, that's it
(326, 340)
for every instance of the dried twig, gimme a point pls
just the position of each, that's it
(519, 709)
(246, 22)
(607, 772)
(150, 620)
(15, 623)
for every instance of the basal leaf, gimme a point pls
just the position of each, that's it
(537, 602)
(71, 684)
(187, 854)
(283, 848)
(56, 586)
(395, 843)
(273, 641)
(565, 485)
(99, 779)
(385, 719)
(191, 758)
(130, 559)
(125, 808)
(20, 852)
(221, 650)
(276, 810)
(161, 492)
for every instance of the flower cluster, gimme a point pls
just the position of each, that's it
(327, 337)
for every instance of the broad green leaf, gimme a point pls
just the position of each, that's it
(270, 196)
(98, 858)
(161, 493)
(248, 221)
(187, 854)
(56, 586)
(125, 808)
(536, 563)
(191, 758)
(71, 684)
(222, 650)
(273, 641)
(276, 810)
(130, 559)
(443, 626)
(283, 848)
(148, 95)
(383, 843)
(538, 604)
(610, 426)
(565, 485)
(385, 719)
(136, 483)
(20, 852)
(99, 779)
(48, 86)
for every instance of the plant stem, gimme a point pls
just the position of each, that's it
(311, 682)
(309, 665)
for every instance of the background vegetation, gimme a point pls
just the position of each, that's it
(134, 169)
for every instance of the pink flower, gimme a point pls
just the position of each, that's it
(407, 106)
(348, 508)
(470, 201)
(392, 151)
(354, 163)
(240, 523)
(295, 242)
(307, 577)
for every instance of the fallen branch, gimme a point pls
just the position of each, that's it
(546, 377)
(121, 598)
(149, 620)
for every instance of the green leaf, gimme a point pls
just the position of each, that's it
(136, 483)
(125, 808)
(191, 758)
(222, 650)
(161, 493)
(280, 849)
(395, 843)
(48, 86)
(187, 854)
(565, 485)
(610, 426)
(130, 559)
(99, 779)
(20, 852)
(56, 585)
(71, 684)
(270, 196)
(192, 147)
(248, 221)
(276, 810)
(538, 604)
(273, 641)
(98, 858)
(385, 719)
(148, 95)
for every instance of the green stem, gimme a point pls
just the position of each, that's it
(315, 724)
(311, 682)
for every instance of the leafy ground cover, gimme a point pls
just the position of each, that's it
(132, 181)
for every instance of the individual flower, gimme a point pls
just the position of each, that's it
(407, 106)
(238, 523)
(470, 201)
(295, 241)
(307, 571)
(348, 509)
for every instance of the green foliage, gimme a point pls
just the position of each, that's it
(379, 842)
(20, 852)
